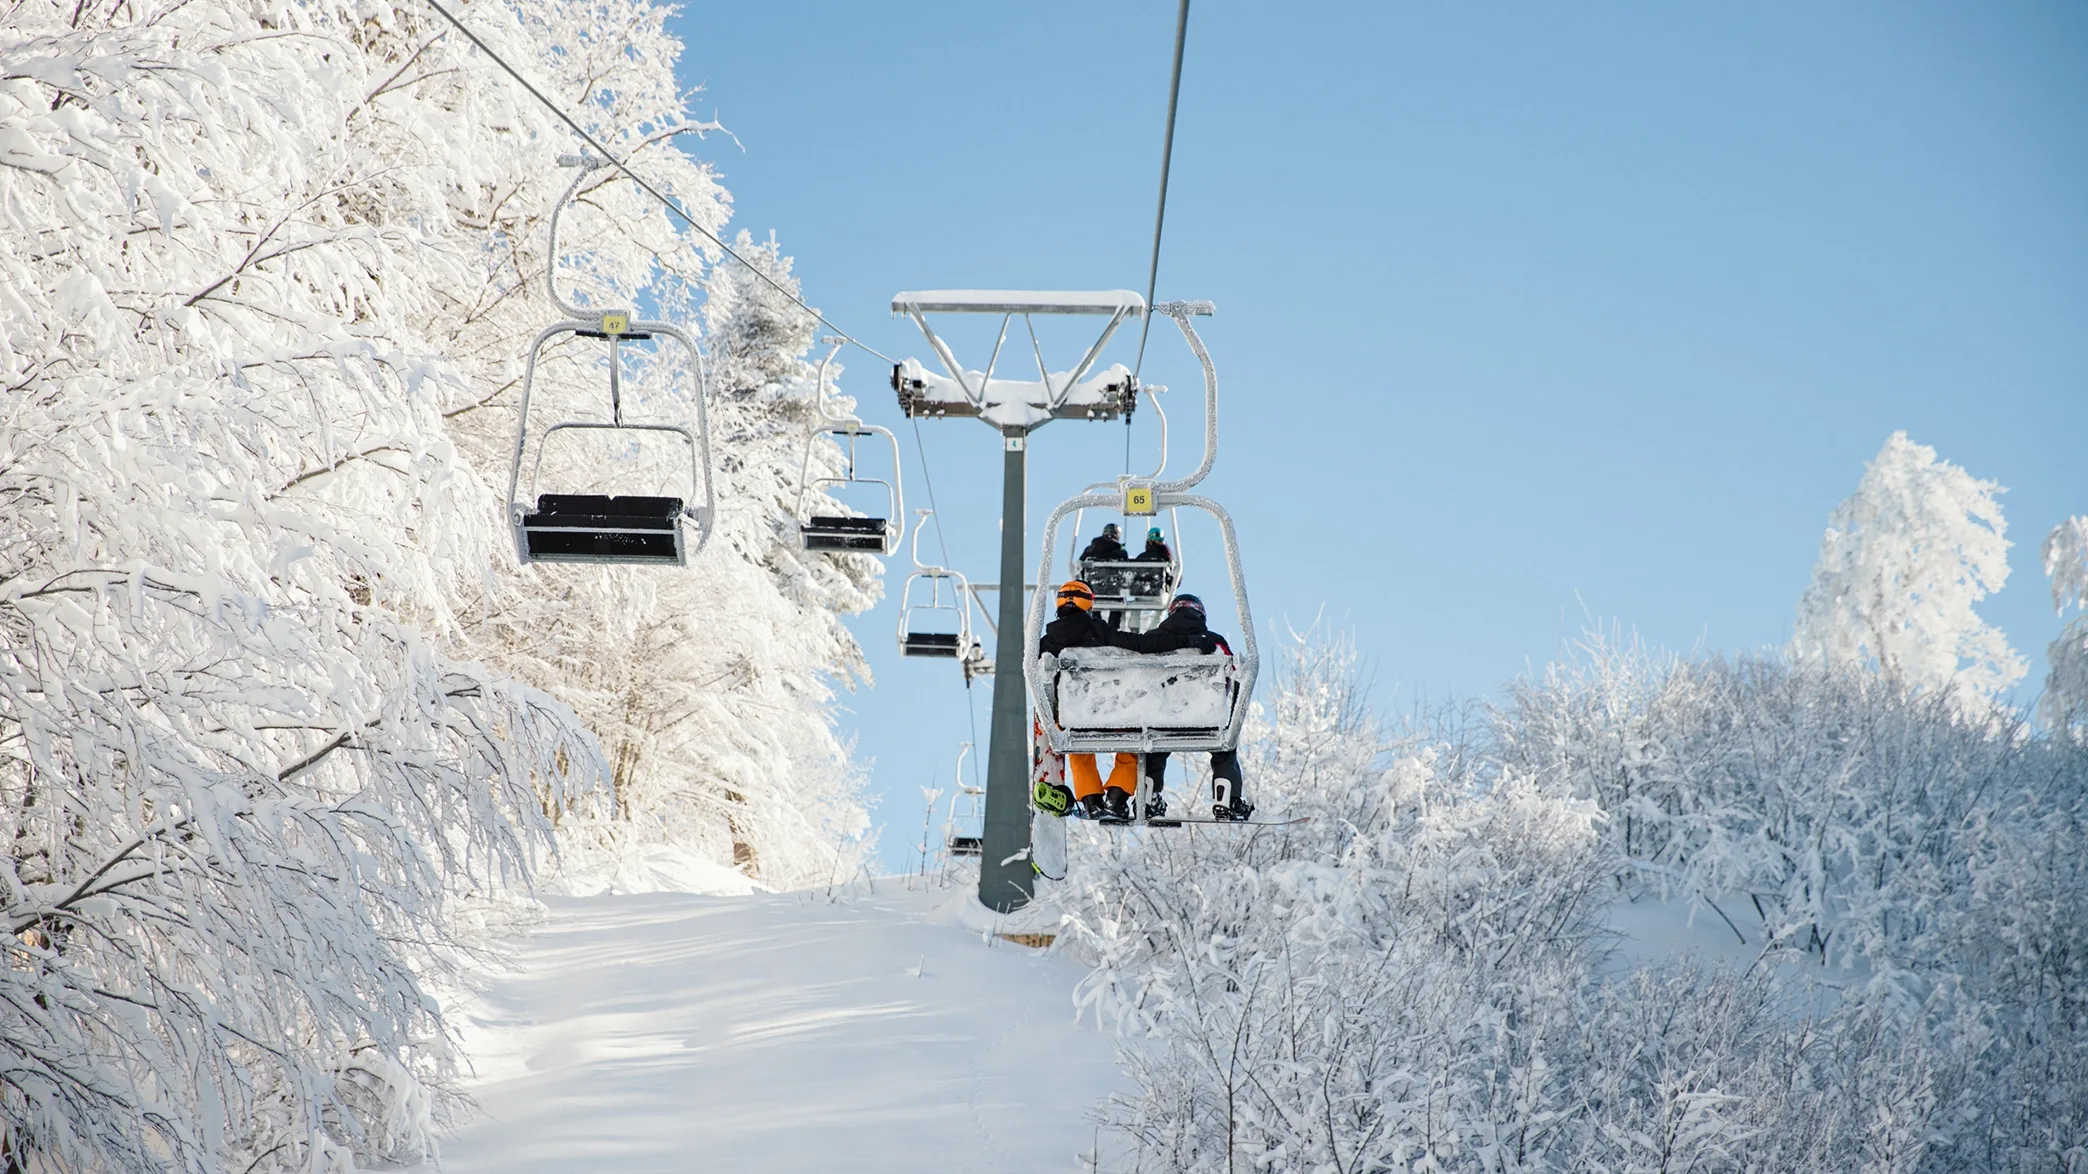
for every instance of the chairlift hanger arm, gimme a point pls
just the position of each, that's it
(1181, 313)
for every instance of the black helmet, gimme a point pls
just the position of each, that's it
(1186, 600)
(1111, 531)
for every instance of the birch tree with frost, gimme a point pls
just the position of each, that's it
(1903, 561)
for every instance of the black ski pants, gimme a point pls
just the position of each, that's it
(1225, 764)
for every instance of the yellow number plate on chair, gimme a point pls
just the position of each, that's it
(615, 323)
(1139, 501)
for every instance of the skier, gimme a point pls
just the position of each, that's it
(1184, 630)
(1107, 548)
(1078, 627)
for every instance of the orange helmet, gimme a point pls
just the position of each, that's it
(1078, 594)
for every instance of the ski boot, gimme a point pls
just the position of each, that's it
(1228, 805)
(1156, 807)
(1092, 807)
(1052, 798)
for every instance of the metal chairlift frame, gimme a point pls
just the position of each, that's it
(1167, 495)
(1070, 395)
(844, 538)
(973, 799)
(935, 576)
(613, 326)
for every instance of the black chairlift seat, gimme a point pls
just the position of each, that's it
(931, 644)
(967, 845)
(594, 528)
(828, 532)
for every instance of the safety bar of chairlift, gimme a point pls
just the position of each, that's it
(1247, 657)
(699, 451)
(1073, 548)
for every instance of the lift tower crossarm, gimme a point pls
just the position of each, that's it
(1015, 406)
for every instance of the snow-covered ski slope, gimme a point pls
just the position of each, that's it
(777, 1032)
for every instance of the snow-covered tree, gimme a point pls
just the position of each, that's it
(711, 687)
(1903, 561)
(266, 267)
(238, 773)
(2065, 702)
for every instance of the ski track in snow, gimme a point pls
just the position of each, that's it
(776, 1032)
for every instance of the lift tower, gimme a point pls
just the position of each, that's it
(1014, 408)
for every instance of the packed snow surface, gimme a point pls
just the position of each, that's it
(778, 1032)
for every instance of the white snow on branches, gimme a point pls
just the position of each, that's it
(1418, 977)
(1904, 560)
(2065, 703)
(266, 272)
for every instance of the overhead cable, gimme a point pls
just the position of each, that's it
(654, 192)
(1174, 97)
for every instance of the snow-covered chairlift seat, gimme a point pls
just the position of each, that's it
(1127, 585)
(1107, 699)
(595, 528)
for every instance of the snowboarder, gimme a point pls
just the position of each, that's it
(1184, 630)
(1106, 548)
(1076, 626)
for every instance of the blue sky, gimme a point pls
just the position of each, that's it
(1527, 313)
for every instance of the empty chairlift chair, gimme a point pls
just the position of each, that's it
(934, 608)
(964, 831)
(861, 533)
(610, 528)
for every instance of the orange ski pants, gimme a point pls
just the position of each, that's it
(1087, 777)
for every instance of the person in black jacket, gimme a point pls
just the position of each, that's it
(1156, 550)
(1077, 626)
(1184, 630)
(1108, 547)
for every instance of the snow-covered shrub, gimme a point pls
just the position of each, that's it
(1903, 561)
(1935, 866)
(1416, 978)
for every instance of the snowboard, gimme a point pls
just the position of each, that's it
(1048, 845)
(1169, 821)
(1047, 831)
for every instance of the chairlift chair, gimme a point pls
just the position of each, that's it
(1142, 589)
(964, 832)
(607, 528)
(1102, 700)
(848, 532)
(934, 626)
